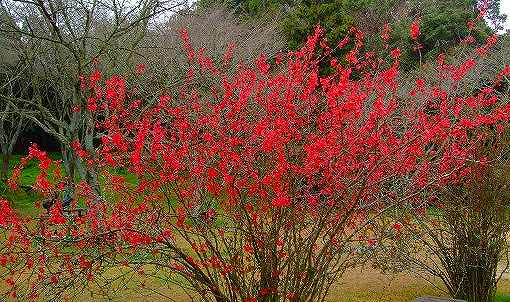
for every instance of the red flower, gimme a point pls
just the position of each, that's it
(208, 137)
(140, 68)
(312, 201)
(395, 53)
(264, 291)
(344, 42)
(386, 32)
(94, 78)
(7, 215)
(469, 40)
(415, 30)
(281, 201)
(83, 83)
(290, 296)
(12, 184)
(91, 104)
(262, 64)
(470, 24)
(248, 249)
(54, 279)
(56, 215)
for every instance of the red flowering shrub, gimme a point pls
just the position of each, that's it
(459, 233)
(265, 185)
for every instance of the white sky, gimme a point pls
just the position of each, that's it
(505, 9)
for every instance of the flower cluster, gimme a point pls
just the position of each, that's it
(238, 177)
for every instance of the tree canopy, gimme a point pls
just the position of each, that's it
(443, 23)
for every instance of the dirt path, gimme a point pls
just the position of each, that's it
(360, 285)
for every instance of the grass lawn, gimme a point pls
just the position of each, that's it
(503, 297)
(359, 285)
(23, 200)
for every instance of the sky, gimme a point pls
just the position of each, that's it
(505, 9)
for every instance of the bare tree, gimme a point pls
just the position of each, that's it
(74, 38)
(11, 121)
(458, 233)
(214, 32)
(13, 85)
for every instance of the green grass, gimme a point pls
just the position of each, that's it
(502, 297)
(23, 200)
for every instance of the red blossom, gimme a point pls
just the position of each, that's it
(395, 53)
(140, 68)
(415, 30)
(267, 151)
(385, 35)
(56, 216)
(54, 279)
(94, 78)
(7, 215)
(281, 201)
(470, 24)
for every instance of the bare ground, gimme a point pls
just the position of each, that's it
(359, 285)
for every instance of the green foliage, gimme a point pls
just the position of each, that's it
(443, 23)
(336, 17)
(249, 8)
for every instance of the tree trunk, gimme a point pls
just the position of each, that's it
(92, 170)
(478, 280)
(6, 159)
(480, 244)
(68, 161)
